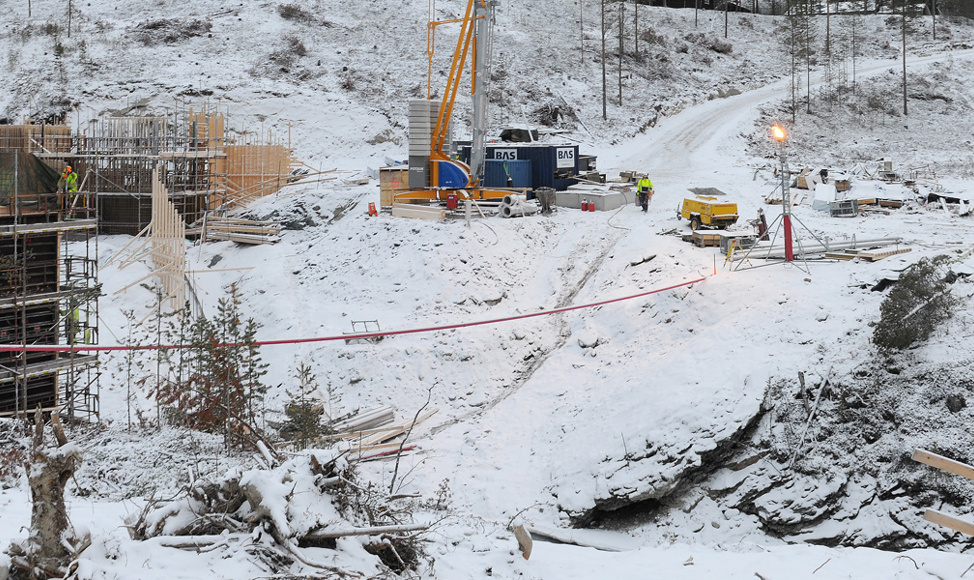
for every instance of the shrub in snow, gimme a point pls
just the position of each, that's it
(294, 12)
(915, 306)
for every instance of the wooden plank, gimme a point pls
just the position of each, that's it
(337, 532)
(840, 255)
(412, 211)
(226, 220)
(598, 539)
(949, 521)
(943, 463)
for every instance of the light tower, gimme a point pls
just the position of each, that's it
(780, 136)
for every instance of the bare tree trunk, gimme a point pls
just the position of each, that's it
(904, 57)
(828, 29)
(622, 18)
(636, 27)
(726, 7)
(605, 112)
(581, 32)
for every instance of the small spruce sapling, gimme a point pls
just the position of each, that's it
(303, 423)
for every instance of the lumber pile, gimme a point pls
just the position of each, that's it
(369, 419)
(866, 255)
(705, 238)
(239, 230)
(375, 442)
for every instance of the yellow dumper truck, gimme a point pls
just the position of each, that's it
(706, 212)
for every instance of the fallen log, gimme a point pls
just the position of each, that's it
(185, 542)
(326, 533)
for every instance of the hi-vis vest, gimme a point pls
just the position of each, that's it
(644, 185)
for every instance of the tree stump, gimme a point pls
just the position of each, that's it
(48, 548)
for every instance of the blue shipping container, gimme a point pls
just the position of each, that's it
(551, 165)
(495, 176)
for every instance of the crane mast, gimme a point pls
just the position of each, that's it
(475, 42)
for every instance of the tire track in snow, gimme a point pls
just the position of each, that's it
(536, 362)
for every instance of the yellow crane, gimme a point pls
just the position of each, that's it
(448, 175)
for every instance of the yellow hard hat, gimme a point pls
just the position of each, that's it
(68, 169)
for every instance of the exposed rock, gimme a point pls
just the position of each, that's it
(956, 402)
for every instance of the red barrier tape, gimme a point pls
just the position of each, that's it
(88, 348)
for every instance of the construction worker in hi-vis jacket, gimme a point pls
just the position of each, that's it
(644, 192)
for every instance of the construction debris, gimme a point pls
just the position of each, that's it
(370, 419)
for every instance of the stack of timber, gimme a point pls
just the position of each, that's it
(376, 442)
(240, 231)
(369, 419)
(866, 255)
(705, 238)
(950, 466)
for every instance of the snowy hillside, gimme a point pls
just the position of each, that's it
(670, 425)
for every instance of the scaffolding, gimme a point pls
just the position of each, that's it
(202, 168)
(48, 291)
(48, 237)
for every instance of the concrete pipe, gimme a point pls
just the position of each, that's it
(518, 211)
(513, 199)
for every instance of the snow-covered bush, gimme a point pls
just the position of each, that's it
(915, 307)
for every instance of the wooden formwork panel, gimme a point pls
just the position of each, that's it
(36, 138)
(254, 171)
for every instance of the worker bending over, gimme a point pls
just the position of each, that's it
(644, 192)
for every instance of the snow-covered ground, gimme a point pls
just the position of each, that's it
(682, 401)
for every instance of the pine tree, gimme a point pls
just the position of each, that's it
(916, 306)
(218, 384)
